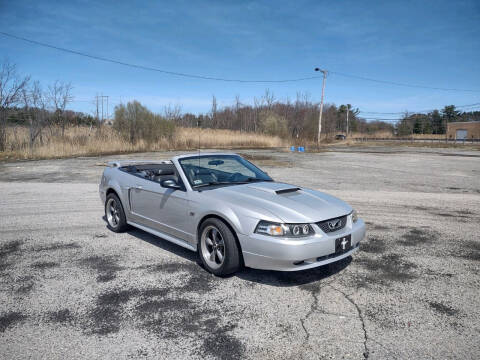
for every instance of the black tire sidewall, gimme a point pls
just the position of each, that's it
(122, 224)
(232, 262)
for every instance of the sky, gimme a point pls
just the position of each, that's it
(426, 43)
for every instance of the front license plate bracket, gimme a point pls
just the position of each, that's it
(343, 244)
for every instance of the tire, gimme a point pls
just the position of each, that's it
(216, 238)
(114, 214)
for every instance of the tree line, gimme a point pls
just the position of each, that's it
(297, 119)
(26, 102)
(433, 122)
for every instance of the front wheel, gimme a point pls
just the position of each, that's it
(218, 248)
(114, 213)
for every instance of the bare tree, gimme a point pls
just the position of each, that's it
(214, 112)
(269, 99)
(173, 112)
(238, 117)
(11, 87)
(35, 107)
(60, 95)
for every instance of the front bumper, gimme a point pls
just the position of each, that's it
(270, 253)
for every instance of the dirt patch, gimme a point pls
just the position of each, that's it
(442, 308)
(10, 319)
(374, 245)
(465, 212)
(106, 267)
(420, 208)
(168, 318)
(373, 226)
(380, 227)
(456, 214)
(165, 313)
(390, 267)
(384, 316)
(58, 246)
(42, 265)
(222, 345)
(6, 250)
(416, 237)
(26, 284)
(106, 317)
(469, 251)
(10, 248)
(63, 317)
(116, 298)
(105, 320)
(198, 280)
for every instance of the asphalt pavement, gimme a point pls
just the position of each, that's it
(70, 288)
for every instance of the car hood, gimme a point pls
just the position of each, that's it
(288, 202)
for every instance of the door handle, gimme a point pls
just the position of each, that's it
(139, 187)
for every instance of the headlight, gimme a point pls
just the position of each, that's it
(354, 216)
(288, 230)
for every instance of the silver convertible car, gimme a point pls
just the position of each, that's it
(230, 212)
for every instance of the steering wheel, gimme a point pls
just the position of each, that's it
(236, 177)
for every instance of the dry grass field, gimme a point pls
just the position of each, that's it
(389, 135)
(92, 141)
(86, 141)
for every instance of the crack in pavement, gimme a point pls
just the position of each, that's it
(360, 316)
(313, 307)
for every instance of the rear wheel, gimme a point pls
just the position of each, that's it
(114, 213)
(218, 248)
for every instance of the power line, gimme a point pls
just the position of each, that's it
(416, 112)
(152, 68)
(400, 84)
(195, 76)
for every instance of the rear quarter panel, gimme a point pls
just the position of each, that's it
(118, 181)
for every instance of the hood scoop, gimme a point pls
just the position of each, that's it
(275, 188)
(285, 191)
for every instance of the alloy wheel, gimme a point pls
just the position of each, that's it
(113, 213)
(212, 247)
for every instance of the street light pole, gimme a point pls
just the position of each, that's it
(324, 72)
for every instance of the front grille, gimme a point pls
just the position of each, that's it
(332, 225)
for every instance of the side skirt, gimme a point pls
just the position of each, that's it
(170, 238)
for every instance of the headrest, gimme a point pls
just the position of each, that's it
(166, 172)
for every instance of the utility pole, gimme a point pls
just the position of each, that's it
(100, 108)
(324, 72)
(348, 109)
(96, 98)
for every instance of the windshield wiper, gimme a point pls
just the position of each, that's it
(213, 183)
(248, 180)
(252, 179)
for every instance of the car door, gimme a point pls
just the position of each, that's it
(159, 208)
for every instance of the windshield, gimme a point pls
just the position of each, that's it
(209, 170)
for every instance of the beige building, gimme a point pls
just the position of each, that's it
(463, 130)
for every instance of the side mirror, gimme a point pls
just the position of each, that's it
(170, 184)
